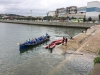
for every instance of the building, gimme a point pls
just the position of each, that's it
(63, 12)
(81, 10)
(60, 12)
(51, 13)
(71, 10)
(74, 15)
(75, 12)
(93, 10)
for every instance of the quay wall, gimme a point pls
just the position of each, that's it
(66, 24)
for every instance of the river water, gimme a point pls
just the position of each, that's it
(37, 60)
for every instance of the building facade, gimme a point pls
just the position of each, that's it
(60, 12)
(71, 10)
(52, 13)
(81, 10)
(93, 10)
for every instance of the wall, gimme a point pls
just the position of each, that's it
(66, 24)
(93, 15)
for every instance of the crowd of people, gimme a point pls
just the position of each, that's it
(36, 40)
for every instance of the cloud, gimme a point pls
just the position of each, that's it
(38, 7)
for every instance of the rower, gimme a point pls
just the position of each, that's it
(46, 34)
(26, 42)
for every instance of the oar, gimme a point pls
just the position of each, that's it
(61, 36)
(75, 53)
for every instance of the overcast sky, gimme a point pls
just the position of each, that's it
(38, 7)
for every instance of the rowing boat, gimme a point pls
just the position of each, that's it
(53, 44)
(31, 44)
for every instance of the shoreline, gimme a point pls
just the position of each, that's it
(87, 41)
(61, 24)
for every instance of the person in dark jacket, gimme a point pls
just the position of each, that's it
(66, 40)
(72, 38)
(63, 40)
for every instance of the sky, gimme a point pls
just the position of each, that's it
(37, 7)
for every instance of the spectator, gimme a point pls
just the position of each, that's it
(63, 40)
(72, 38)
(66, 40)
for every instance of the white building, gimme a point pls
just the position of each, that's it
(93, 10)
(60, 12)
(71, 10)
(51, 13)
(81, 10)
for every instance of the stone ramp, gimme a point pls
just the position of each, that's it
(90, 40)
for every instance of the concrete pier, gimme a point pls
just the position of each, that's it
(66, 24)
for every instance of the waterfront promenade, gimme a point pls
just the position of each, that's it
(66, 24)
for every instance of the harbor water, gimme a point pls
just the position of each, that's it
(38, 60)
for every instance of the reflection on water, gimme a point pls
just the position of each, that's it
(35, 60)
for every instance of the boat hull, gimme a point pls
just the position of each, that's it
(52, 46)
(23, 46)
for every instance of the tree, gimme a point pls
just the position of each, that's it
(47, 18)
(84, 19)
(63, 18)
(68, 18)
(99, 17)
(89, 19)
(73, 17)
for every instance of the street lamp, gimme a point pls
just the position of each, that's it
(31, 14)
(47, 15)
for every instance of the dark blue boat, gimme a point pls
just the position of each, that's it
(34, 42)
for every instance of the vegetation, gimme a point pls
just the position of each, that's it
(89, 19)
(89, 73)
(99, 17)
(84, 19)
(47, 18)
(99, 52)
(97, 59)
